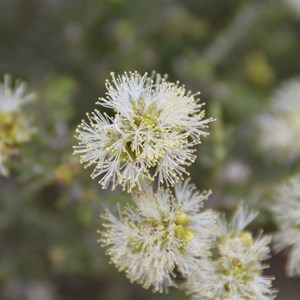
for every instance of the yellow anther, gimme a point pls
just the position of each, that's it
(247, 238)
(179, 231)
(182, 219)
(188, 235)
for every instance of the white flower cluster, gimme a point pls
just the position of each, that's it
(166, 237)
(234, 269)
(15, 128)
(279, 129)
(152, 133)
(161, 236)
(287, 215)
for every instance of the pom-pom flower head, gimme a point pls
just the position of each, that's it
(279, 129)
(287, 214)
(15, 128)
(152, 134)
(160, 236)
(234, 270)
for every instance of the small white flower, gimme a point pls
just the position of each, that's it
(152, 133)
(15, 127)
(12, 99)
(279, 129)
(160, 236)
(287, 215)
(234, 270)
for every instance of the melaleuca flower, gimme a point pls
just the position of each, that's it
(279, 129)
(15, 127)
(159, 237)
(287, 214)
(234, 270)
(152, 133)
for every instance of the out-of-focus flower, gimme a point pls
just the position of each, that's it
(279, 129)
(235, 172)
(160, 236)
(287, 214)
(152, 134)
(234, 270)
(15, 128)
(294, 5)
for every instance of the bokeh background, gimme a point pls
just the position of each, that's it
(235, 52)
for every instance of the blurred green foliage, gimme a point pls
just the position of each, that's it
(234, 52)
